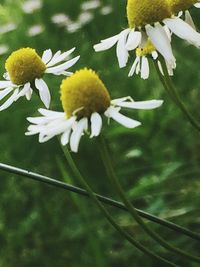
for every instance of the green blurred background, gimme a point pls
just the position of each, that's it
(158, 163)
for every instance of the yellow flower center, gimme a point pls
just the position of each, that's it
(180, 5)
(143, 12)
(24, 65)
(147, 49)
(84, 93)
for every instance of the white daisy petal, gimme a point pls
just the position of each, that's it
(29, 94)
(43, 92)
(63, 66)
(150, 104)
(106, 44)
(134, 39)
(113, 113)
(161, 42)
(50, 113)
(96, 124)
(60, 57)
(65, 137)
(144, 68)
(5, 92)
(189, 20)
(10, 100)
(47, 55)
(134, 66)
(5, 84)
(24, 91)
(77, 134)
(197, 5)
(183, 30)
(122, 52)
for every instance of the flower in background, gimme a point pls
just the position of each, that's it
(31, 6)
(92, 4)
(61, 19)
(7, 27)
(25, 71)
(146, 19)
(85, 101)
(106, 10)
(35, 30)
(3, 49)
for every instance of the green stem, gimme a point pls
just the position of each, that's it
(108, 216)
(171, 90)
(111, 174)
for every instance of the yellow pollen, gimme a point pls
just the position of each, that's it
(24, 65)
(143, 12)
(180, 5)
(85, 93)
(147, 49)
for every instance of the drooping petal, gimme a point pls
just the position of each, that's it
(113, 112)
(144, 68)
(161, 42)
(133, 68)
(29, 94)
(10, 100)
(51, 113)
(122, 52)
(183, 30)
(77, 133)
(96, 124)
(5, 92)
(134, 39)
(43, 92)
(189, 20)
(5, 84)
(24, 91)
(65, 137)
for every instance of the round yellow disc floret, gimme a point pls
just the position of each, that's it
(143, 12)
(84, 93)
(147, 49)
(180, 5)
(24, 65)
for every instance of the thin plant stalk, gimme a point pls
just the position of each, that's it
(171, 90)
(116, 184)
(127, 236)
(58, 184)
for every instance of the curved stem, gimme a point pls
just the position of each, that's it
(171, 90)
(108, 216)
(103, 199)
(111, 174)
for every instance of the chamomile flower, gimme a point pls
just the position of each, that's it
(85, 101)
(141, 62)
(25, 71)
(147, 20)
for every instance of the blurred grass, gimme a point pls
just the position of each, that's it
(158, 163)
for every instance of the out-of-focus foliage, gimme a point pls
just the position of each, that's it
(157, 163)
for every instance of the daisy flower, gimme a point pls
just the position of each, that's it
(25, 71)
(85, 101)
(141, 62)
(147, 20)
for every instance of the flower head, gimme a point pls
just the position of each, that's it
(85, 101)
(152, 20)
(25, 71)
